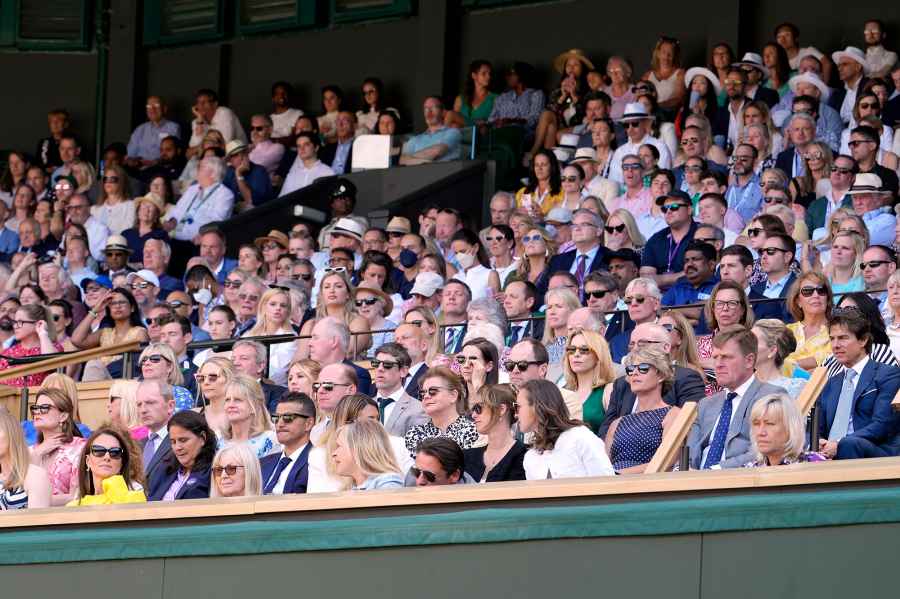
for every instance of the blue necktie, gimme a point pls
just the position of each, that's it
(273, 480)
(451, 340)
(149, 449)
(840, 426)
(717, 446)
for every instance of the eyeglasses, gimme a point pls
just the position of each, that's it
(695, 169)
(868, 105)
(153, 359)
(709, 240)
(670, 327)
(690, 140)
(477, 408)
(673, 207)
(637, 299)
(461, 360)
(574, 350)
(115, 453)
(202, 378)
(429, 476)
(530, 238)
(755, 231)
(366, 302)
(229, 284)
(729, 304)
(873, 264)
(580, 225)
(40, 409)
(271, 246)
(230, 470)
(431, 391)
(175, 304)
(632, 166)
(327, 387)
(248, 297)
(521, 365)
(305, 276)
(643, 368)
(841, 171)
(387, 365)
(338, 269)
(20, 323)
(154, 321)
(71, 207)
(258, 128)
(616, 229)
(631, 124)
(569, 179)
(597, 293)
(640, 89)
(134, 286)
(111, 179)
(775, 200)
(808, 291)
(857, 142)
(772, 251)
(288, 417)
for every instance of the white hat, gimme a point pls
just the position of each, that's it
(145, 274)
(812, 79)
(568, 140)
(562, 155)
(753, 60)
(348, 226)
(235, 146)
(703, 72)
(853, 53)
(867, 183)
(635, 111)
(589, 154)
(559, 215)
(427, 284)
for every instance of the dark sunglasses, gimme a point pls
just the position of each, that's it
(387, 365)
(262, 128)
(842, 171)
(151, 321)
(230, 470)
(327, 387)
(154, 359)
(477, 409)
(497, 238)
(112, 179)
(461, 360)
(521, 365)
(775, 200)
(754, 231)
(40, 409)
(632, 166)
(98, 451)
(288, 417)
(638, 299)
(598, 294)
(202, 378)
(530, 238)
(808, 291)
(431, 391)
(772, 251)
(569, 179)
(575, 350)
(232, 284)
(429, 476)
(873, 264)
(631, 124)
(667, 207)
(366, 302)
(616, 229)
(304, 276)
(643, 368)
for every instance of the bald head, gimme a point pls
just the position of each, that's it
(583, 318)
(652, 334)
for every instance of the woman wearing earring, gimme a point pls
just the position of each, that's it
(59, 442)
(109, 470)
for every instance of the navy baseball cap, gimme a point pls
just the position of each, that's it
(675, 194)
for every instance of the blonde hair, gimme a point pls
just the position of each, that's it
(686, 355)
(834, 223)
(370, 447)
(246, 456)
(603, 372)
(126, 391)
(84, 175)
(19, 458)
(859, 247)
(435, 345)
(262, 322)
(637, 238)
(63, 382)
(524, 268)
(249, 390)
(346, 411)
(571, 302)
(348, 311)
(785, 409)
(175, 376)
(656, 358)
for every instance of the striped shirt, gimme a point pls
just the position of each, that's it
(13, 499)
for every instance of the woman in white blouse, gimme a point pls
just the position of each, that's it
(114, 208)
(476, 268)
(561, 447)
(273, 318)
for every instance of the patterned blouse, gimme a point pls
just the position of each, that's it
(62, 466)
(806, 456)
(818, 346)
(18, 351)
(462, 430)
(265, 443)
(13, 499)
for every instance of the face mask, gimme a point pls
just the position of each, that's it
(465, 260)
(203, 296)
(6, 323)
(408, 258)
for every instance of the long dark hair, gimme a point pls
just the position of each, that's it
(555, 173)
(469, 87)
(473, 239)
(337, 91)
(869, 309)
(6, 180)
(134, 319)
(196, 424)
(379, 87)
(488, 353)
(132, 467)
(712, 104)
(550, 411)
(782, 63)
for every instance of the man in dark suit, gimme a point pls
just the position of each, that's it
(518, 303)
(801, 131)
(329, 344)
(588, 254)
(212, 247)
(856, 419)
(776, 256)
(736, 264)
(288, 472)
(249, 357)
(642, 297)
(397, 410)
(415, 342)
(727, 123)
(688, 385)
(155, 405)
(454, 312)
(720, 436)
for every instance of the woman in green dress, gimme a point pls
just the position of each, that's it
(474, 105)
(588, 369)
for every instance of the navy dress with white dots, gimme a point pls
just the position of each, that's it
(638, 436)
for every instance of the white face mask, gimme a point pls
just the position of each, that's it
(465, 260)
(203, 296)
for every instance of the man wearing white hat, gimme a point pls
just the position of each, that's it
(809, 65)
(752, 65)
(869, 197)
(828, 122)
(637, 121)
(851, 63)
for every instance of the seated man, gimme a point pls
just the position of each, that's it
(204, 202)
(143, 146)
(776, 256)
(250, 358)
(307, 167)
(642, 297)
(856, 418)
(698, 280)
(438, 143)
(439, 461)
(518, 303)
(209, 115)
(688, 385)
(248, 181)
(294, 416)
(264, 151)
(397, 410)
(872, 202)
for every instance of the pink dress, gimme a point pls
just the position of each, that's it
(62, 466)
(17, 351)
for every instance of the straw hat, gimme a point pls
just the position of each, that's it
(559, 63)
(370, 287)
(274, 235)
(151, 198)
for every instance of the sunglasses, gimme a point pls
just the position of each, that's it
(873, 264)
(110, 179)
(40, 409)
(304, 276)
(259, 128)
(857, 142)
(288, 417)
(709, 240)
(387, 365)
(671, 207)
(461, 360)
(598, 294)
(134, 286)
(497, 238)
(775, 200)
(521, 365)
(98, 451)
(246, 297)
(772, 251)
(327, 387)
(202, 378)
(690, 140)
(643, 368)
(338, 269)
(153, 359)
(431, 391)
(366, 302)
(574, 350)
(640, 89)
(631, 124)
(695, 169)
(530, 238)
(429, 476)
(569, 179)
(868, 105)
(477, 409)
(755, 231)
(62, 186)
(271, 246)
(616, 229)
(632, 166)
(637, 299)
(841, 170)
(175, 304)
(808, 291)
(230, 470)
(229, 284)
(154, 321)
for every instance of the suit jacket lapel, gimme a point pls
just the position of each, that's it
(399, 406)
(715, 402)
(865, 378)
(737, 418)
(302, 461)
(160, 452)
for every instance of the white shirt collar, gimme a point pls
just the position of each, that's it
(742, 389)
(296, 455)
(859, 366)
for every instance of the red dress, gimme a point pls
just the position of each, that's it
(18, 351)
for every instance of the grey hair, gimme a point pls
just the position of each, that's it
(718, 233)
(492, 310)
(259, 348)
(61, 275)
(791, 420)
(802, 115)
(264, 117)
(648, 284)
(215, 165)
(596, 218)
(165, 389)
(164, 248)
(505, 195)
(337, 328)
(256, 282)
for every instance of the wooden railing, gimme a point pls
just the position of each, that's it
(673, 442)
(810, 393)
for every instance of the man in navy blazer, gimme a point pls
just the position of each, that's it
(155, 405)
(586, 230)
(801, 131)
(775, 258)
(856, 418)
(212, 247)
(288, 471)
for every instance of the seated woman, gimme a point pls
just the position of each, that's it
(362, 452)
(158, 361)
(561, 302)
(35, 334)
(493, 411)
(544, 189)
(473, 106)
(118, 317)
(323, 477)
(236, 472)
(22, 484)
(221, 324)
(775, 343)
(777, 433)
(273, 317)
(114, 207)
(476, 266)
(684, 346)
(444, 399)
(301, 376)
(250, 260)
(844, 272)
(561, 447)
(248, 419)
(59, 442)
(809, 301)
(122, 408)
(148, 210)
(213, 379)
(727, 305)
(109, 470)
(501, 240)
(375, 306)
(479, 364)
(621, 232)
(588, 369)
(634, 438)
(187, 471)
(335, 291)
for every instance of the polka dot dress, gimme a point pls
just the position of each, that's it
(637, 438)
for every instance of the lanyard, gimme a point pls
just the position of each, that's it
(673, 251)
(187, 218)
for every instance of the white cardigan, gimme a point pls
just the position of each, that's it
(578, 452)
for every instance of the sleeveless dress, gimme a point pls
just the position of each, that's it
(637, 438)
